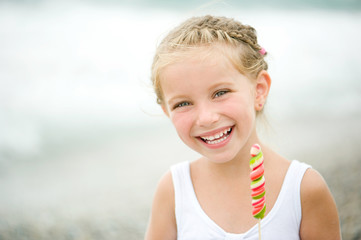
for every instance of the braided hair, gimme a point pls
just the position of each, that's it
(208, 31)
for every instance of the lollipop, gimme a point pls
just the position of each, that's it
(257, 185)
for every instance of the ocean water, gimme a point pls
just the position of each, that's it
(78, 118)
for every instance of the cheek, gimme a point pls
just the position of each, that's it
(182, 123)
(239, 108)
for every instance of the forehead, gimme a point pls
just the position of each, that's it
(195, 68)
(202, 56)
(196, 75)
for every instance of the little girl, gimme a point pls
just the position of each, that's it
(211, 80)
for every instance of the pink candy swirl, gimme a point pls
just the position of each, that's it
(258, 182)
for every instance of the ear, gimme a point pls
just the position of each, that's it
(165, 110)
(263, 85)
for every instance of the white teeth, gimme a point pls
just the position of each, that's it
(209, 139)
(217, 141)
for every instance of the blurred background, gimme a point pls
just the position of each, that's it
(83, 143)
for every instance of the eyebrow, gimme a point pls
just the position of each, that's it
(175, 99)
(223, 83)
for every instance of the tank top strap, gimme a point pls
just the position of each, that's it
(289, 198)
(295, 175)
(182, 187)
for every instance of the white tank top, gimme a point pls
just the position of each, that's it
(282, 222)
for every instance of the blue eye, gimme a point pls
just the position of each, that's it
(182, 104)
(220, 93)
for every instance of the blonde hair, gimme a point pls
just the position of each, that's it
(209, 31)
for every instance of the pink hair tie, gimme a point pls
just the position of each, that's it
(262, 51)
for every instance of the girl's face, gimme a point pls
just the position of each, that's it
(211, 105)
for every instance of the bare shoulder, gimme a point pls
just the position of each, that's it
(319, 213)
(162, 224)
(165, 189)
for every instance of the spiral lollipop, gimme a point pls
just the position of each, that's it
(257, 185)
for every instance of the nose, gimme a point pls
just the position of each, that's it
(206, 116)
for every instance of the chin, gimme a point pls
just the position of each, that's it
(222, 158)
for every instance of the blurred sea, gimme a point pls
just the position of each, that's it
(82, 141)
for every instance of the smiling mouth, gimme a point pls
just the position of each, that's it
(218, 137)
